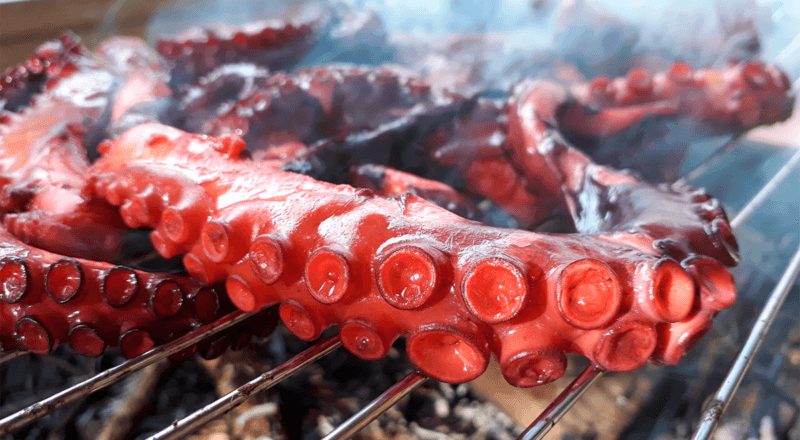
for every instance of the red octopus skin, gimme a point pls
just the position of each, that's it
(45, 202)
(388, 182)
(382, 268)
(48, 299)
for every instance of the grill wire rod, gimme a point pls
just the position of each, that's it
(106, 378)
(375, 408)
(710, 161)
(555, 411)
(561, 404)
(12, 355)
(765, 192)
(189, 424)
(713, 414)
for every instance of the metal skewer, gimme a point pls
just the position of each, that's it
(375, 408)
(102, 380)
(187, 425)
(722, 399)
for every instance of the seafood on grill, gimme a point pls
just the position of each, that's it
(349, 196)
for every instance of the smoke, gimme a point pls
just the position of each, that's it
(491, 44)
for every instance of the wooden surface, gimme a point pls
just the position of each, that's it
(24, 25)
(602, 413)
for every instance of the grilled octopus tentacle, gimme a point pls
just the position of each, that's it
(197, 51)
(472, 135)
(50, 62)
(309, 105)
(382, 268)
(43, 157)
(676, 220)
(737, 98)
(54, 231)
(49, 299)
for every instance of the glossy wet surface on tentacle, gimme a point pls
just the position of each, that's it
(389, 267)
(50, 299)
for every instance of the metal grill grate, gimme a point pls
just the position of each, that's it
(537, 430)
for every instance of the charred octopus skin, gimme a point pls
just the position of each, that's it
(316, 196)
(198, 51)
